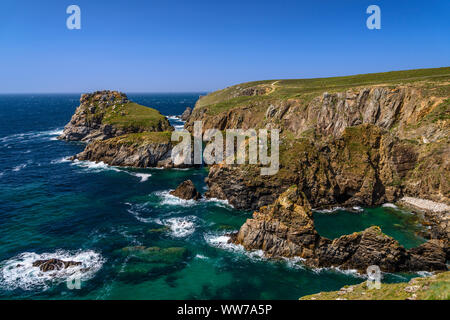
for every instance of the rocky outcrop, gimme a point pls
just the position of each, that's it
(286, 229)
(187, 191)
(186, 114)
(99, 116)
(54, 264)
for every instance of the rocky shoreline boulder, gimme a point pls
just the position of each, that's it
(187, 191)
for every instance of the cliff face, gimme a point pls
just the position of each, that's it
(361, 146)
(106, 114)
(286, 229)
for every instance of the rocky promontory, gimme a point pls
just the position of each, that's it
(120, 132)
(105, 114)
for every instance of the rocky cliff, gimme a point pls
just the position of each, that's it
(343, 143)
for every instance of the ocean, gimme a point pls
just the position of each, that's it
(100, 215)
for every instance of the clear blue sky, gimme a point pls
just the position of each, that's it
(196, 45)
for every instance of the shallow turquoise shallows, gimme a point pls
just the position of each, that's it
(51, 207)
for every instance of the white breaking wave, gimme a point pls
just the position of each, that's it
(168, 199)
(143, 176)
(219, 202)
(221, 242)
(18, 272)
(389, 205)
(92, 166)
(137, 209)
(181, 227)
(60, 160)
(18, 137)
(332, 210)
(201, 257)
(20, 167)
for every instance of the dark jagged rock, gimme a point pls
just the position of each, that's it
(186, 114)
(54, 264)
(187, 191)
(286, 229)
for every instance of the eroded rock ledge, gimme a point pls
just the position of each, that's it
(286, 229)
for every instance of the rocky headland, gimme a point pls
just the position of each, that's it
(120, 132)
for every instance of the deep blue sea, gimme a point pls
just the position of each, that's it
(93, 213)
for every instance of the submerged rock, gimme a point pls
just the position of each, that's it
(187, 191)
(156, 254)
(54, 264)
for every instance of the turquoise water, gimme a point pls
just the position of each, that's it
(51, 207)
(399, 224)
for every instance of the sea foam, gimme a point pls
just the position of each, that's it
(18, 272)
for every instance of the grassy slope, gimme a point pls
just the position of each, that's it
(225, 99)
(133, 115)
(436, 287)
(143, 138)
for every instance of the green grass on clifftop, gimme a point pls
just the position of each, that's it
(228, 98)
(436, 287)
(134, 115)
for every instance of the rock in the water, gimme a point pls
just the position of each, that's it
(187, 191)
(285, 228)
(186, 114)
(54, 264)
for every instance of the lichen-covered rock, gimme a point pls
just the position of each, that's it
(187, 191)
